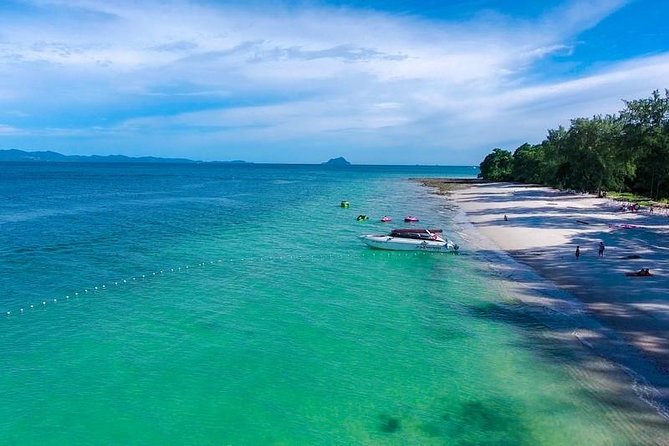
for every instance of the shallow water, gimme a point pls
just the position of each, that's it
(235, 305)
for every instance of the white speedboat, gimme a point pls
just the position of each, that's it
(411, 240)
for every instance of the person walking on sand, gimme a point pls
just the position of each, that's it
(601, 249)
(578, 252)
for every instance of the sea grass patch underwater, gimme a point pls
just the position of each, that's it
(440, 187)
(236, 305)
(389, 424)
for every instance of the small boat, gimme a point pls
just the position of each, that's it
(345, 204)
(362, 217)
(411, 219)
(411, 240)
(386, 219)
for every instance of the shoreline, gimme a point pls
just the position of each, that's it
(588, 305)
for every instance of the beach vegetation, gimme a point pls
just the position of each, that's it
(624, 152)
(641, 200)
(527, 164)
(647, 135)
(497, 166)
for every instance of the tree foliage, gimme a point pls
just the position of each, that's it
(647, 135)
(497, 166)
(628, 151)
(527, 164)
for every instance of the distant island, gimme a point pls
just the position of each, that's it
(341, 161)
(14, 155)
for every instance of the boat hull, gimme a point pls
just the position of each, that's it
(402, 244)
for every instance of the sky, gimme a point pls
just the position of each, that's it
(378, 82)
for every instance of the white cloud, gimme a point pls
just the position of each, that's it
(8, 130)
(212, 76)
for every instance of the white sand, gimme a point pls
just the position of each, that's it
(624, 319)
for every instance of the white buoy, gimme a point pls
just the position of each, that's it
(21, 310)
(96, 288)
(76, 294)
(9, 313)
(55, 300)
(124, 281)
(32, 306)
(85, 291)
(103, 286)
(43, 302)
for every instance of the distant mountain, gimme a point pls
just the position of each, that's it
(49, 156)
(341, 161)
(230, 162)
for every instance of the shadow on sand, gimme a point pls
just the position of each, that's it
(624, 320)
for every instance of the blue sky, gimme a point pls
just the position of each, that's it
(379, 82)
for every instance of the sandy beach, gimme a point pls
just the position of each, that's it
(591, 300)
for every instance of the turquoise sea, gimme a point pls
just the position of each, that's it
(214, 304)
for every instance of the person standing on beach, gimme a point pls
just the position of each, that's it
(578, 252)
(601, 249)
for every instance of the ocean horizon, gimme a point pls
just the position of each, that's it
(234, 304)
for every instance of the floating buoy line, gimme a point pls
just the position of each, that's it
(90, 291)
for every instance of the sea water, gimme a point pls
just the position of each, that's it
(234, 304)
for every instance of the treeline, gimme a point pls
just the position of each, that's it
(626, 152)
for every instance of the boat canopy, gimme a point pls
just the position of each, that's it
(417, 231)
(423, 233)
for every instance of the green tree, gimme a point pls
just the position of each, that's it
(587, 156)
(628, 151)
(592, 148)
(556, 165)
(528, 164)
(646, 137)
(497, 166)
